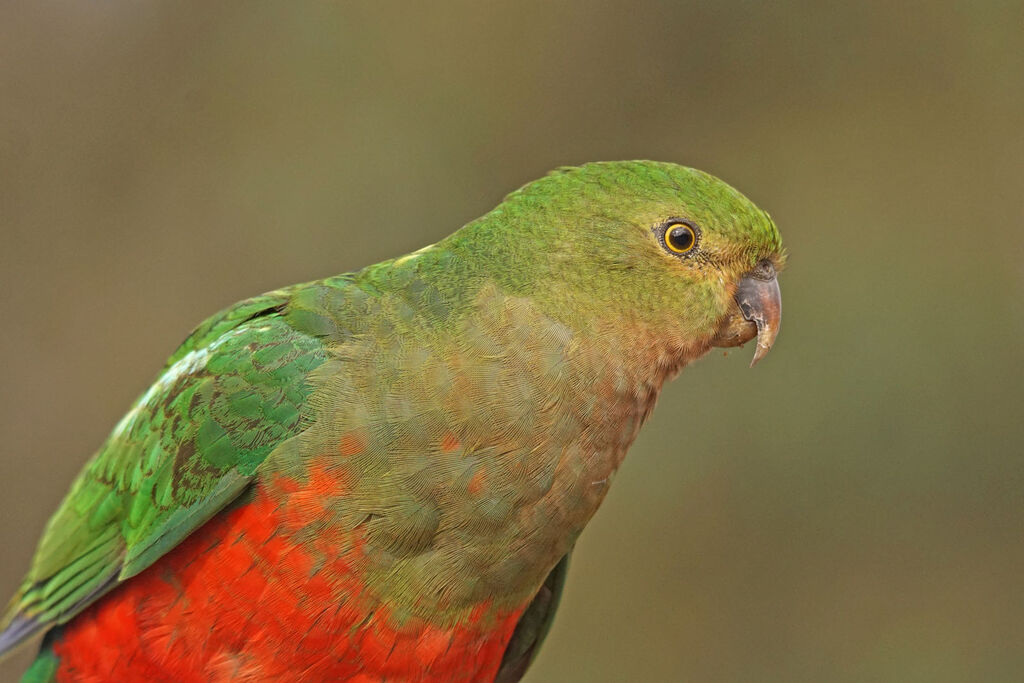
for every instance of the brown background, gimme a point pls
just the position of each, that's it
(849, 511)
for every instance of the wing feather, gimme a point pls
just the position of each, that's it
(533, 626)
(234, 391)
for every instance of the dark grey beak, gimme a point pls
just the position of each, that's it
(760, 302)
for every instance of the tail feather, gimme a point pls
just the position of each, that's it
(44, 669)
(20, 627)
(17, 630)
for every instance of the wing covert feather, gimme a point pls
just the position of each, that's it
(233, 392)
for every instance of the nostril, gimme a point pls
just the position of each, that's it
(764, 270)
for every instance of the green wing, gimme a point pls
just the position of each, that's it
(533, 626)
(233, 391)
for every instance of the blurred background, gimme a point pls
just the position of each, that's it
(851, 510)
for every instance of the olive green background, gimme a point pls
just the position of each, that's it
(850, 510)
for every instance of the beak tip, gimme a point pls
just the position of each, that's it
(759, 353)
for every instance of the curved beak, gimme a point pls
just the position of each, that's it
(760, 302)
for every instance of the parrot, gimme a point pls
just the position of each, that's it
(381, 475)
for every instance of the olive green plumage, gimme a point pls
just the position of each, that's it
(491, 385)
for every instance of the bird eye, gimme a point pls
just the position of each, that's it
(680, 238)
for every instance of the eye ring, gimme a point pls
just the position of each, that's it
(680, 238)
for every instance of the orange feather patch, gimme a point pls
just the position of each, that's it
(240, 600)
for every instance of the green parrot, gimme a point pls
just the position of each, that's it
(381, 475)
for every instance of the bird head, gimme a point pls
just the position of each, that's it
(669, 248)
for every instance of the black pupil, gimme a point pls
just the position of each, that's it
(681, 238)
